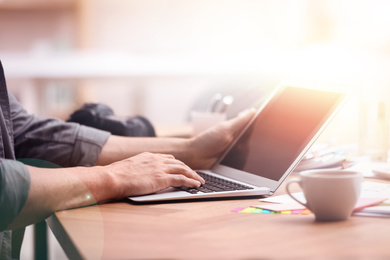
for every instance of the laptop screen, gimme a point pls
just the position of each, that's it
(281, 131)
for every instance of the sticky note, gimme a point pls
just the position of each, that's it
(306, 212)
(239, 209)
(257, 210)
(366, 202)
(281, 207)
(248, 210)
(266, 211)
(297, 212)
(385, 203)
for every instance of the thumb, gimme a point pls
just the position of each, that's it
(250, 111)
(239, 122)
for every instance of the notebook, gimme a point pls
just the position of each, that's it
(269, 147)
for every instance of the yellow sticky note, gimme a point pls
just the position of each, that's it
(248, 210)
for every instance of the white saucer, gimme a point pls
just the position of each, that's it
(381, 170)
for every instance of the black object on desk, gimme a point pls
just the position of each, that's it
(102, 117)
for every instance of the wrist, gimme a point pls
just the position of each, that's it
(110, 187)
(187, 152)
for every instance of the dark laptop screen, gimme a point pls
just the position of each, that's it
(281, 131)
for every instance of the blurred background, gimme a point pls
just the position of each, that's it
(163, 58)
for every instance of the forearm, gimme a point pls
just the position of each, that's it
(119, 148)
(57, 189)
(199, 152)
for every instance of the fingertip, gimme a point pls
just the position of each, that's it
(247, 112)
(202, 181)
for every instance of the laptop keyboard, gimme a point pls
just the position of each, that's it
(215, 184)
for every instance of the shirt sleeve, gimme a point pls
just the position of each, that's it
(14, 189)
(62, 143)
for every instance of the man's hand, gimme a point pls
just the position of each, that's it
(148, 173)
(210, 144)
(63, 188)
(136, 172)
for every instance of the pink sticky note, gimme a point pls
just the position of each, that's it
(237, 209)
(366, 202)
(297, 212)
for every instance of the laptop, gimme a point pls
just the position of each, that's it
(268, 148)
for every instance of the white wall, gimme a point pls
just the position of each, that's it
(202, 25)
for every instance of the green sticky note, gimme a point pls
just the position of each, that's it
(257, 210)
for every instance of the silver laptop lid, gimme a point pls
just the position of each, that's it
(284, 128)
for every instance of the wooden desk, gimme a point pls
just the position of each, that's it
(208, 230)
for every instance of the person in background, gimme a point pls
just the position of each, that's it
(97, 166)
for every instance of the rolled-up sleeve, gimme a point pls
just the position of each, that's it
(87, 146)
(14, 190)
(62, 143)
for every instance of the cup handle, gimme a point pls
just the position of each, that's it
(295, 180)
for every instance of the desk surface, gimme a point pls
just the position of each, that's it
(208, 230)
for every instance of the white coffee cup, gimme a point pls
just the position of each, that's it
(330, 194)
(202, 120)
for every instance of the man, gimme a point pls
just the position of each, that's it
(97, 166)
